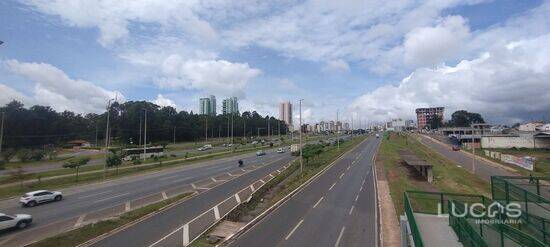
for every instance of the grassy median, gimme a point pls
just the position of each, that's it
(88, 232)
(448, 177)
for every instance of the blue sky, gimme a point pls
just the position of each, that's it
(373, 60)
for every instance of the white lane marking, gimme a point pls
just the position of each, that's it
(243, 170)
(231, 174)
(332, 186)
(127, 206)
(180, 180)
(341, 175)
(185, 234)
(351, 210)
(80, 220)
(339, 237)
(261, 180)
(169, 177)
(361, 189)
(213, 179)
(193, 185)
(356, 197)
(271, 175)
(164, 195)
(348, 168)
(112, 197)
(317, 203)
(95, 194)
(293, 229)
(238, 198)
(216, 213)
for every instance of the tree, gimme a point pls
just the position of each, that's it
(463, 118)
(435, 122)
(8, 154)
(24, 155)
(113, 159)
(76, 164)
(37, 155)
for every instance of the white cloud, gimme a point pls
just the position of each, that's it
(54, 88)
(427, 46)
(337, 66)
(9, 94)
(163, 101)
(219, 76)
(504, 84)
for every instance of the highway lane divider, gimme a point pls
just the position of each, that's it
(196, 227)
(277, 204)
(35, 234)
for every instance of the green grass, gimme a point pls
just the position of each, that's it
(87, 232)
(447, 176)
(111, 174)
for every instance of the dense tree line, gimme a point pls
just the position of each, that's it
(460, 118)
(38, 126)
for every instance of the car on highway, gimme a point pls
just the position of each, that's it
(19, 221)
(205, 147)
(255, 142)
(260, 153)
(280, 150)
(377, 135)
(33, 198)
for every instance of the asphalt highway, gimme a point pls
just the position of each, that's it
(156, 227)
(83, 200)
(338, 208)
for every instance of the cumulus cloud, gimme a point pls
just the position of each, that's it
(337, 65)
(211, 75)
(427, 46)
(163, 101)
(9, 94)
(506, 83)
(54, 88)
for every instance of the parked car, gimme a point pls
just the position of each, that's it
(205, 147)
(14, 221)
(33, 198)
(255, 142)
(280, 150)
(260, 153)
(377, 135)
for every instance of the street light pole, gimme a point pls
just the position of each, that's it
(145, 136)
(2, 132)
(473, 152)
(337, 130)
(301, 158)
(107, 138)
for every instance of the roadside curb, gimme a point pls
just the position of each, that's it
(279, 203)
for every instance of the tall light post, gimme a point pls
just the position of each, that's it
(337, 131)
(107, 138)
(145, 136)
(2, 131)
(301, 158)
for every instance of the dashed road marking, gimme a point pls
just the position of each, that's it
(164, 196)
(213, 179)
(339, 237)
(361, 189)
(351, 210)
(261, 180)
(317, 203)
(356, 197)
(331, 186)
(185, 234)
(294, 229)
(341, 175)
(193, 185)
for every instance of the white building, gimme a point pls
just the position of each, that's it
(285, 112)
(230, 105)
(544, 128)
(531, 126)
(207, 106)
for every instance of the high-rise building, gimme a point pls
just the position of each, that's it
(423, 115)
(285, 112)
(230, 105)
(207, 106)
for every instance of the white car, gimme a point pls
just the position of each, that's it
(32, 198)
(14, 221)
(280, 150)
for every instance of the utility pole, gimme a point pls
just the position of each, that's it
(2, 132)
(301, 158)
(139, 130)
(473, 151)
(107, 138)
(206, 129)
(337, 131)
(145, 136)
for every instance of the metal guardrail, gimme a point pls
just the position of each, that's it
(481, 232)
(417, 237)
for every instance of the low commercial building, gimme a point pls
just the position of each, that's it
(518, 140)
